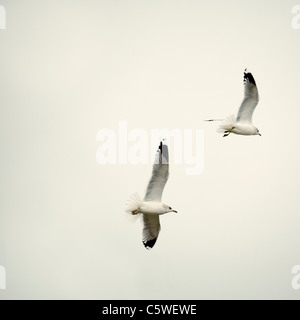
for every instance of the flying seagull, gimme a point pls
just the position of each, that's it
(242, 124)
(151, 207)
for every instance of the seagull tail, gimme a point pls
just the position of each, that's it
(132, 207)
(227, 124)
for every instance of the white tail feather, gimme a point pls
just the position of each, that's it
(133, 204)
(227, 124)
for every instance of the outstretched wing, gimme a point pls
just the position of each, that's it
(151, 230)
(250, 101)
(160, 174)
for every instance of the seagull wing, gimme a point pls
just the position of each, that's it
(151, 230)
(250, 101)
(160, 174)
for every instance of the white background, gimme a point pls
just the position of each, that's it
(72, 68)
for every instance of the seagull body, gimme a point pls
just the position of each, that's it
(231, 125)
(242, 124)
(151, 207)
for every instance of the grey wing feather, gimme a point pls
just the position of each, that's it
(250, 101)
(160, 174)
(151, 230)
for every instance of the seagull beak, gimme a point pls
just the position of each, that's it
(174, 211)
(259, 134)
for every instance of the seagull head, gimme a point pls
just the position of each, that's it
(168, 208)
(257, 132)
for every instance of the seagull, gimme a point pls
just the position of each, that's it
(242, 124)
(151, 207)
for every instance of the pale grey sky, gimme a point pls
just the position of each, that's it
(72, 68)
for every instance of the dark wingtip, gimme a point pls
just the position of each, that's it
(149, 244)
(248, 76)
(160, 146)
(163, 150)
